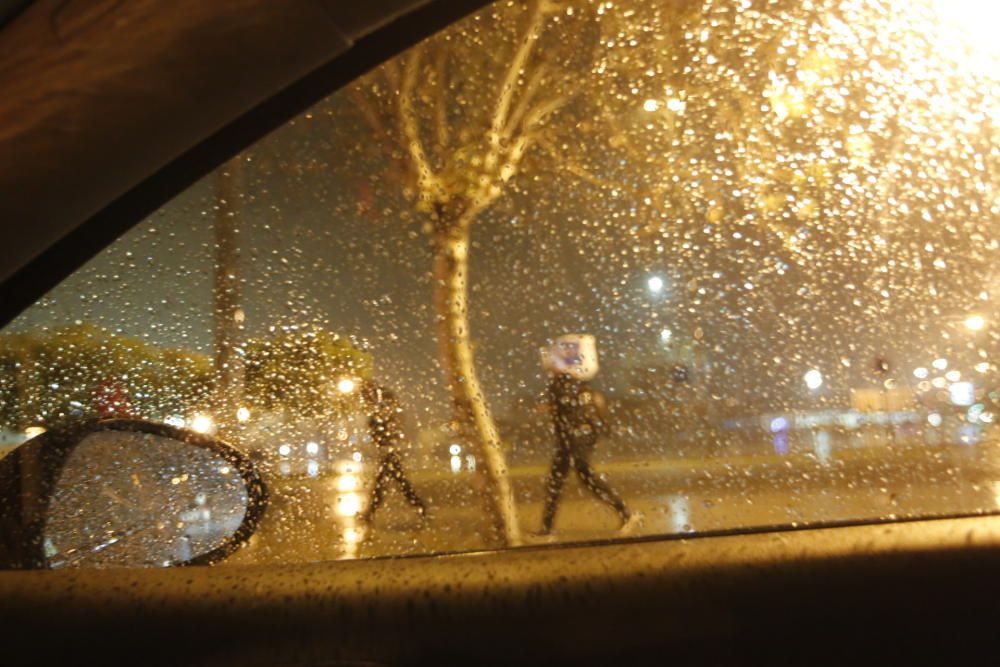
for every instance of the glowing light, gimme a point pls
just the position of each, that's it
(356, 457)
(312, 468)
(983, 367)
(456, 463)
(345, 386)
(202, 423)
(975, 323)
(242, 415)
(34, 431)
(666, 335)
(974, 20)
(778, 424)
(312, 448)
(676, 105)
(285, 449)
(962, 393)
(650, 105)
(940, 364)
(953, 376)
(813, 379)
(352, 536)
(455, 450)
(655, 284)
(986, 417)
(934, 419)
(175, 420)
(920, 372)
(347, 483)
(939, 382)
(225, 470)
(349, 504)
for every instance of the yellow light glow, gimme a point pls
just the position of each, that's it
(34, 431)
(975, 323)
(349, 504)
(650, 105)
(676, 105)
(348, 483)
(975, 22)
(345, 386)
(202, 424)
(813, 379)
(242, 415)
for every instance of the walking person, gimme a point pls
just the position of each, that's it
(387, 434)
(576, 410)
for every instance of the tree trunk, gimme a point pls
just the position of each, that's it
(451, 291)
(228, 316)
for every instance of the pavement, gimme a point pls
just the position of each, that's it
(317, 518)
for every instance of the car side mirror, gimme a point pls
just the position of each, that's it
(125, 493)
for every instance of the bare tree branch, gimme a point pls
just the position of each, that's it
(368, 111)
(527, 96)
(501, 114)
(427, 181)
(584, 174)
(391, 72)
(528, 136)
(441, 108)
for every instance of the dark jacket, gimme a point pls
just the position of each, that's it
(576, 411)
(384, 427)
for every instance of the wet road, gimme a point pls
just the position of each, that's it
(316, 518)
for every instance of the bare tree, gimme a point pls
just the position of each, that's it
(455, 163)
(716, 127)
(227, 314)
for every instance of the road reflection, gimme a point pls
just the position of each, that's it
(320, 518)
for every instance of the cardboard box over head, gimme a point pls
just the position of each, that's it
(572, 354)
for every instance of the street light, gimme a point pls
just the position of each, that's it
(813, 379)
(202, 423)
(975, 322)
(655, 284)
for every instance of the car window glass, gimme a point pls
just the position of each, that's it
(577, 271)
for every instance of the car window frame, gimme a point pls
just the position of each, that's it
(39, 275)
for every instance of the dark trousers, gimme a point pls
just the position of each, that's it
(579, 454)
(391, 468)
